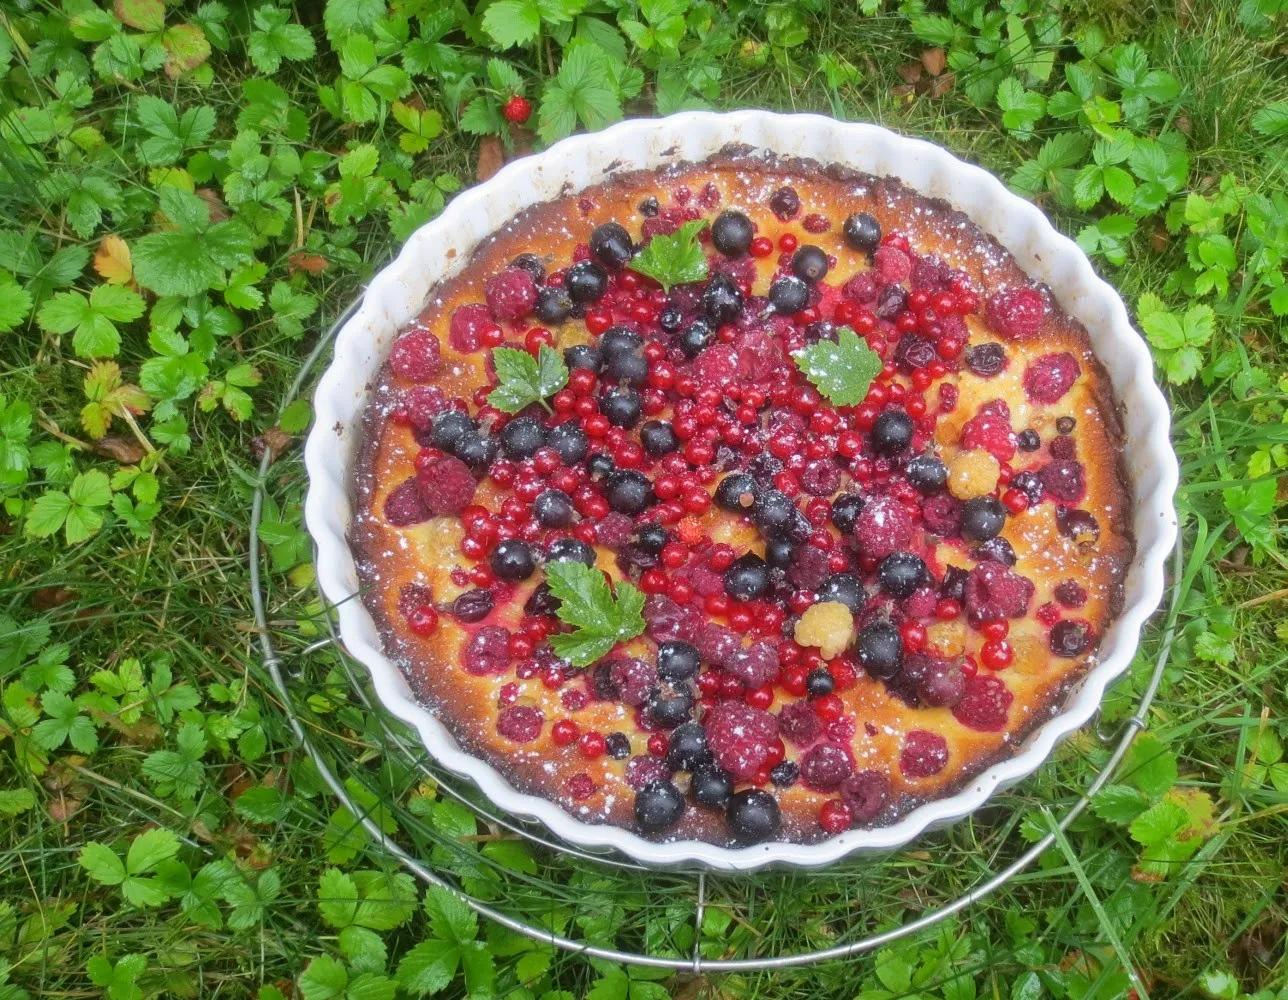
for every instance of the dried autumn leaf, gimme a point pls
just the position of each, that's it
(273, 441)
(186, 48)
(218, 210)
(113, 262)
(125, 450)
(941, 85)
(146, 15)
(910, 72)
(48, 598)
(934, 60)
(310, 263)
(491, 157)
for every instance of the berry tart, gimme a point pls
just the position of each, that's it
(747, 500)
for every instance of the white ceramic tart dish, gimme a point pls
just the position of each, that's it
(440, 250)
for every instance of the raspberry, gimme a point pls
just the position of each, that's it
(994, 591)
(920, 603)
(941, 514)
(809, 567)
(422, 403)
(990, 429)
(614, 530)
(862, 288)
(520, 723)
(924, 754)
(930, 273)
(760, 359)
(633, 679)
(412, 597)
(1062, 447)
(488, 651)
(821, 477)
(510, 293)
(466, 326)
(403, 505)
(892, 265)
(1064, 480)
(414, 356)
(716, 644)
(665, 620)
(827, 625)
(445, 485)
(644, 770)
(1049, 377)
(972, 474)
(1071, 594)
(883, 527)
(826, 766)
(985, 703)
(865, 793)
(1016, 313)
(741, 737)
(755, 666)
(705, 580)
(717, 365)
(799, 723)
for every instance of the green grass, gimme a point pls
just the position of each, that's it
(178, 590)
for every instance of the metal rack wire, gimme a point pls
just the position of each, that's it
(283, 670)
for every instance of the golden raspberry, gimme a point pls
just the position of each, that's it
(972, 474)
(827, 625)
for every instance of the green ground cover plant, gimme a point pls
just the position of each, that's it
(191, 192)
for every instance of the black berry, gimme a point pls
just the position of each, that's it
(611, 245)
(900, 573)
(473, 605)
(696, 336)
(676, 661)
(845, 511)
(687, 748)
(658, 438)
(753, 815)
(553, 509)
(737, 492)
(554, 304)
(862, 232)
(891, 433)
(774, 512)
(809, 263)
(570, 550)
(785, 203)
(779, 552)
(621, 406)
(721, 300)
(927, 474)
(628, 491)
(1028, 440)
(844, 588)
(712, 787)
(788, 295)
(628, 368)
(512, 559)
(1069, 637)
(747, 578)
(531, 263)
(521, 438)
(619, 340)
(583, 356)
(570, 441)
(880, 650)
(586, 282)
(652, 538)
(618, 746)
(600, 465)
(669, 710)
(785, 773)
(658, 806)
(449, 428)
(732, 233)
(982, 518)
(671, 318)
(819, 682)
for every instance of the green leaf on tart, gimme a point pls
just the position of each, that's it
(600, 618)
(841, 371)
(674, 259)
(524, 380)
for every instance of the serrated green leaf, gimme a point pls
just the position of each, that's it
(524, 380)
(674, 259)
(600, 618)
(841, 371)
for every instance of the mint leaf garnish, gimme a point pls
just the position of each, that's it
(600, 620)
(675, 259)
(524, 379)
(841, 371)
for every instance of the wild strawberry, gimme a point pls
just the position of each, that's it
(517, 110)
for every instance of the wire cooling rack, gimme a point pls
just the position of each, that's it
(439, 859)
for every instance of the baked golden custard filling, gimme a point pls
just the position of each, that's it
(748, 500)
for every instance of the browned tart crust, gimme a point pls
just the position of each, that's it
(850, 609)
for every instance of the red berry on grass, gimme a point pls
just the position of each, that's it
(517, 110)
